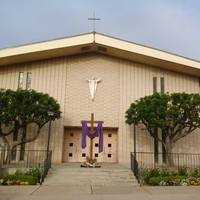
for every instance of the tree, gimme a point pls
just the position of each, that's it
(8, 123)
(22, 108)
(176, 115)
(34, 108)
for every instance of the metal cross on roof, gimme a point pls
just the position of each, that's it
(94, 19)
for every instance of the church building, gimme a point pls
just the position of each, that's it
(119, 72)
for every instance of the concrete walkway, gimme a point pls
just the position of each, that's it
(69, 182)
(101, 193)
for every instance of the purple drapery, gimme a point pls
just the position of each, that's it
(98, 132)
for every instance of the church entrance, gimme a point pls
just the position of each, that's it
(72, 151)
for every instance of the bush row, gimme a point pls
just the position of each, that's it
(166, 177)
(29, 177)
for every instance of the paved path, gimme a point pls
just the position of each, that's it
(74, 175)
(108, 183)
(101, 193)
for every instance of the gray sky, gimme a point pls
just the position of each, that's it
(171, 25)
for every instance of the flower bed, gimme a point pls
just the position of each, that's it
(28, 177)
(165, 177)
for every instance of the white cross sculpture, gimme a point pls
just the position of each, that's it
(93, 82)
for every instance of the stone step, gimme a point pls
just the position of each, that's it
(73, 174)
(99, 176)
(98, 172)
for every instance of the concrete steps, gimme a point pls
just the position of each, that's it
(74, 175)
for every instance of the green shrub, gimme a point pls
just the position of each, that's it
(35, 172)
(194, 181)
(154, 180)
(183, 171)
(29, 177)
(147, 174)
(167, 177)
(195, 173)
(20, 179)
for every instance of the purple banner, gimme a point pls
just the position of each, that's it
(98, 132)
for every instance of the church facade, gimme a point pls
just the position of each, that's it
(127, 72)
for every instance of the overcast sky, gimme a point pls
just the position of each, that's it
(171, 25)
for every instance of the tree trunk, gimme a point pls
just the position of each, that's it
(169, 154)
(22, 148)
(7, 155)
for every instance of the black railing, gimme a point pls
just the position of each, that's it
(31, 159)
(47, 166)
(146, 160)
(135, 167)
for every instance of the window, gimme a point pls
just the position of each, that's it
(83, 155)
(109, 145)
(71, 134)
(96, 155)
(154, 84)
(96, 144)
(28, 80)
(20, 80)
(109, 155)
(109, 135)
(162, 90)
(156, 144)
(155, 129)
(162, 85)
(71, 144)
(70, 154)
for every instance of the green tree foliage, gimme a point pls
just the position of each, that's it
(21, 108)
(175, 115)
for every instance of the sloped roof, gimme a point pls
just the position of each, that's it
(105, 44)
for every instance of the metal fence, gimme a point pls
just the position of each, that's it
(146, 160)
(30, 159)
(46, 166)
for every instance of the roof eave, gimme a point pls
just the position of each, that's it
(149, 56)
(45, 50)
(93, 42)
(150, 61)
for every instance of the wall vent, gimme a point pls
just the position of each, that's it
(101, 48)
(86, 48)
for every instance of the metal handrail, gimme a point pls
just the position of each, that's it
(32, 158)
(146, 160)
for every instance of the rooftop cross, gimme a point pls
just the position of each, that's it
(94, 19)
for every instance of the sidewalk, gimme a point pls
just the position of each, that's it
(70, 182)
(98, 193)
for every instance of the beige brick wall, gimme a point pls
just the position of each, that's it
(78, 104)
(122, 83)
(136, 80)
